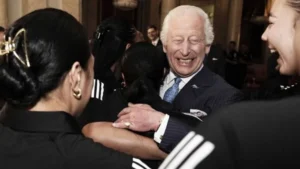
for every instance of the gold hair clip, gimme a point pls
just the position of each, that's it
(9, 46)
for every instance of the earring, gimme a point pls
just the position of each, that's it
(77, 94)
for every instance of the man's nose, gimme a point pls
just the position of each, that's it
(185, 49)
(264, 36)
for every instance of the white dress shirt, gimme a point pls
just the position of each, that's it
(168, 82)
(155, 42)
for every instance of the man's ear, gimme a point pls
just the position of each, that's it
(75, 76)
(207, 49)
(165, 48)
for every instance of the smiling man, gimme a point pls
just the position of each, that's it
(193, 89)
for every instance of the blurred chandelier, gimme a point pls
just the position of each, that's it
(125, 4)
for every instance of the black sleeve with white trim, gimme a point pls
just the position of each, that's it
(98, 89)
(188, 153)
(212, 144)
(138, 164)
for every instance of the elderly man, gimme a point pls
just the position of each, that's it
(192, 88)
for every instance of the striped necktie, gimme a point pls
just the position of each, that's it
(171, 93)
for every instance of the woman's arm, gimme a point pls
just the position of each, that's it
(123, 140)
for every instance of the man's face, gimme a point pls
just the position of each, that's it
(280, 35)
(152, 34)
(1, 36)
(185, 46)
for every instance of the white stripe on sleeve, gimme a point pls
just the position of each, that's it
(97, 91)
(198, 155)
(186, 151)
(102, 91)
(181, 144)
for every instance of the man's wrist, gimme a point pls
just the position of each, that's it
(160, 117)
(159, 133)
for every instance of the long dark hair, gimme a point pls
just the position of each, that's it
(54, 41)
(143, 70)
(111, 38)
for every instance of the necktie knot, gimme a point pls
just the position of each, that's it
(177, 80)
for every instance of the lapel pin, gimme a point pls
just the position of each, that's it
(195, 86)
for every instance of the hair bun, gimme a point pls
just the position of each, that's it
(18, 85)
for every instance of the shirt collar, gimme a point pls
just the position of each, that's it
(35, 121)
(171, 76)
(155, 41)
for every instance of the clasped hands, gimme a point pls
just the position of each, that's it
(139, 117)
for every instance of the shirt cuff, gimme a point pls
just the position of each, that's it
(158, 135)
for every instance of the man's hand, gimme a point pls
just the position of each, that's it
(139, 117)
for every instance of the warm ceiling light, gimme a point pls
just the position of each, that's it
(125, 4)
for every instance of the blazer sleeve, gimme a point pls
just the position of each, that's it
(174, 132)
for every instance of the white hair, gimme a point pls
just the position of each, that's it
(178, 11)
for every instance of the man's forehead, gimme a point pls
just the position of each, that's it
(276, 6)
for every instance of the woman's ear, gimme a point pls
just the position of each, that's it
(75, 76)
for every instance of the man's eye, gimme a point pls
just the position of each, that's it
(195, 41)
(177, 41)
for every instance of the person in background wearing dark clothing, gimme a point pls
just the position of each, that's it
(215, 60)
(2, 30)
(245, 55)
(261, 134)
(276, 86)
(232, 61)
(153, 35)
(46, 75)
(113, 36)
(142, 70)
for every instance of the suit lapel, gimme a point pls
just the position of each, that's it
(193, 89)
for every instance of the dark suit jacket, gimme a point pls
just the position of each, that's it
(215, 60)
(159, 44)
(207, 92)
(249, 135)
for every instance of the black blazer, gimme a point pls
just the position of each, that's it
(248, 135)
(159, 44)
(47, 140)
(207, 92)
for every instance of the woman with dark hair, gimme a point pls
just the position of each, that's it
(142, 69)
(113, 36)
(46, 74)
